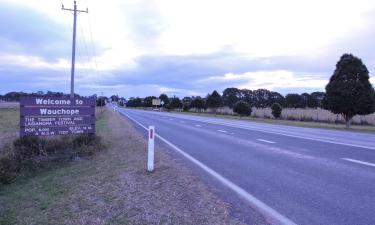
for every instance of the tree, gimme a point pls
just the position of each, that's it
(294, 101)
(164, 98)
(147, 102)
(175, 103)
(247, 96)
(185, 106)
(197, 103)
(101, 101)
(187, 100)
(312, 101)
(305, 97)
(243, 108)
(231, 96)
(134, 102)
(276, 110)
(214, 100)
(114, 98)
(275, 97)
(318, 97)
(349, 91)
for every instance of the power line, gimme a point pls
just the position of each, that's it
(89, 57)
(93, 43)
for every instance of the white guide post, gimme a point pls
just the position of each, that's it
(151, 144)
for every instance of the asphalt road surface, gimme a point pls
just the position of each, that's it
(292, 175)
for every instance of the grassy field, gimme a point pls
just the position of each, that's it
(113, 187)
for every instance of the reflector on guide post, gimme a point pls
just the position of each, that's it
(151, 144)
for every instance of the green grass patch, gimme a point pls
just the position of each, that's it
(9, 119)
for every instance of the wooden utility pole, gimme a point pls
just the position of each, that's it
(75, 11)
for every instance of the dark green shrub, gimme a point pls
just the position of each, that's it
(276, 110)
(242, 108)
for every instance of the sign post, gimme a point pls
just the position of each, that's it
(151, 145)
(45, 116)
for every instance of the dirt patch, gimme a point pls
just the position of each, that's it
(113, 188)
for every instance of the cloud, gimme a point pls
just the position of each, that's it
(28, 32)
(272, 80)
(141, 47)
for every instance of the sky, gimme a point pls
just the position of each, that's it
(181, 47)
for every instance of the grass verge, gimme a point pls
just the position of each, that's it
(113, 187)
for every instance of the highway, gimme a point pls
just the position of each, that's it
(292, 175)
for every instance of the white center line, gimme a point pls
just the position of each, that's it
(262, 140)
(197, 125)
(222, 131)
(358, 161)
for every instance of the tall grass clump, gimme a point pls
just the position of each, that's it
(29, 153)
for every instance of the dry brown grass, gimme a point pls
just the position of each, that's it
(113, 188)
(307, 115)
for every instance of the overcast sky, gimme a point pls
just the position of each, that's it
(182, 47)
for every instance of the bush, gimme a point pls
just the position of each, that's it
(9, 168)
(276, 110)
(30, 153)
(243, 108)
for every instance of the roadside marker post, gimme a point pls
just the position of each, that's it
(151, 145)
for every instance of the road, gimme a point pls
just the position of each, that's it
(292, 175)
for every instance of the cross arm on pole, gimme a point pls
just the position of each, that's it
(72, 10)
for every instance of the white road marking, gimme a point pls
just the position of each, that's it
(267, 211)
(197, 125)
(170, 119)
(222, 131)
(359, 162)
(228, 124)
(262, 140)
(232, 133)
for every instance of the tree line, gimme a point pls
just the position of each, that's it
(349, 93)
(15, 96)
(260, 98)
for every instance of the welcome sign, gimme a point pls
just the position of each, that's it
(44, 116)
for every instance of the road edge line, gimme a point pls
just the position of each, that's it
(266, 210)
